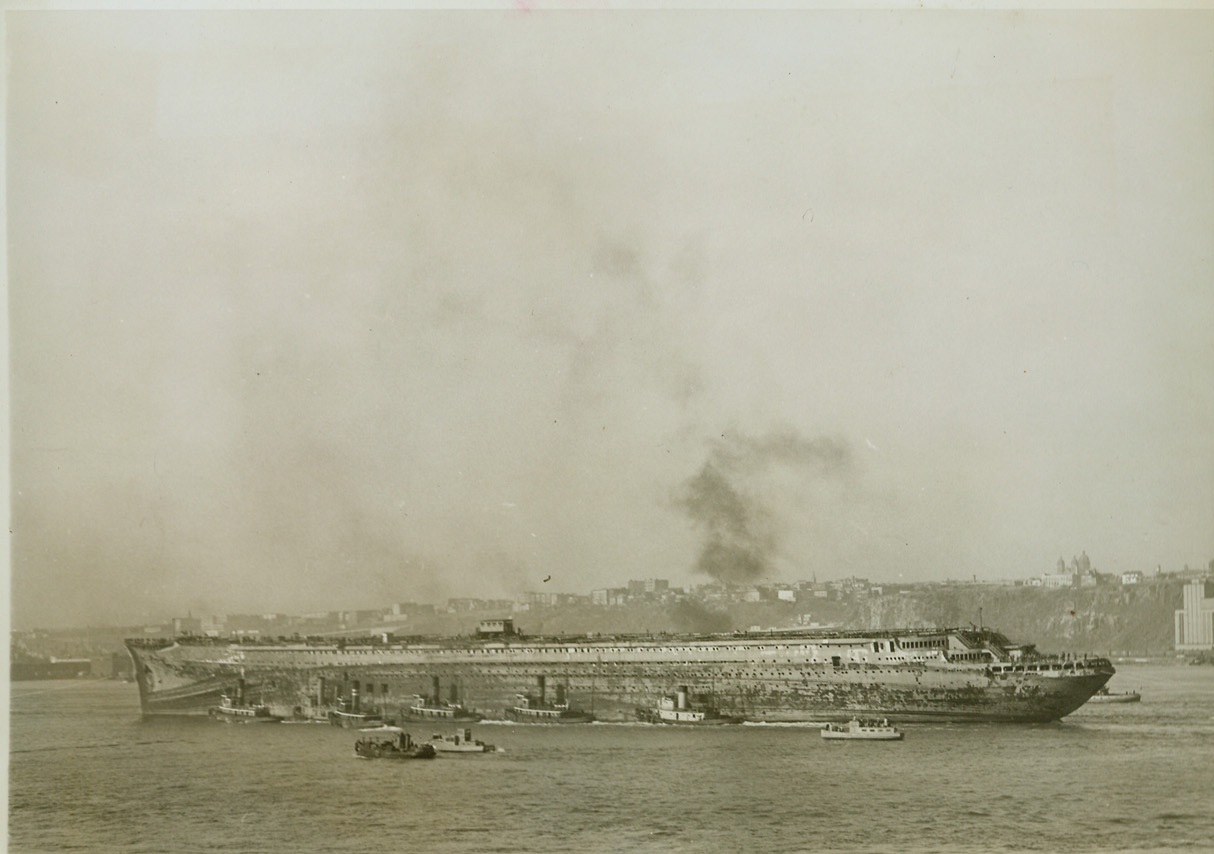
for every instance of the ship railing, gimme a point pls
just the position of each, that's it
(1056, 664)
(1068, 657)
(1038, 661)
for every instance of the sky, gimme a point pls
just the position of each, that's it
(314, 310)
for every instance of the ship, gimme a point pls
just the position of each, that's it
(535, 708)
(347, 711)
(432, 707)
(461, 742)
(1104, 695)
(679, 709)
(232, 708)
(793, 675)
(862, 730)
(401, 747)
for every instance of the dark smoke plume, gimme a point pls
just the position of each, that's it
(741, 532)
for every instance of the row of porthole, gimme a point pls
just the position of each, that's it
(506, 650)
(557, 677)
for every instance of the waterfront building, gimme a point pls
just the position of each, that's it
(23, 667)
(1195, 621)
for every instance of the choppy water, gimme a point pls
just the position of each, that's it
(86, 774)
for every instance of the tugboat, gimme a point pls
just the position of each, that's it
(461, 742)
(535, 709)
(237, 711)
(1104, 695)
(230, 712)
(859, 729)
(401, 747)
(678, 709)
(352, 715)
(432, 707)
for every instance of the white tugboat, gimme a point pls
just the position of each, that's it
(680, 710)
(231, 712)
(535, 708)
(432, 707)
(236, 710)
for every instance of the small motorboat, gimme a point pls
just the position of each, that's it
(1104, 695)
(858, 729)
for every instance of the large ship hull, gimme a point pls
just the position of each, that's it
(914, 675)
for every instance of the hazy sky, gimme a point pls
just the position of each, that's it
(313, 310)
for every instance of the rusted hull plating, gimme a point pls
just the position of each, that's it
(772, 681)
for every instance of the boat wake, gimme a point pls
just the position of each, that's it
(787, 724)
(74, 747)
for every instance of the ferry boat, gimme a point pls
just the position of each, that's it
(926, 674)
(400, 747)
(859, 729)
(680, 710)
(461, 742)
(1104, 695)
(535, 709)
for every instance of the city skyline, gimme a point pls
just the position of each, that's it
(1076, 574)
(318, 306)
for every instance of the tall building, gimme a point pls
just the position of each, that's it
(648, 586)
(1195, 621)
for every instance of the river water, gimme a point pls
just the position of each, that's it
(87, 774)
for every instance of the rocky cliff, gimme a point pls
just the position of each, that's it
(1108, 619)
(1105, 619)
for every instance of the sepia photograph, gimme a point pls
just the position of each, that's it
(605, 427)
